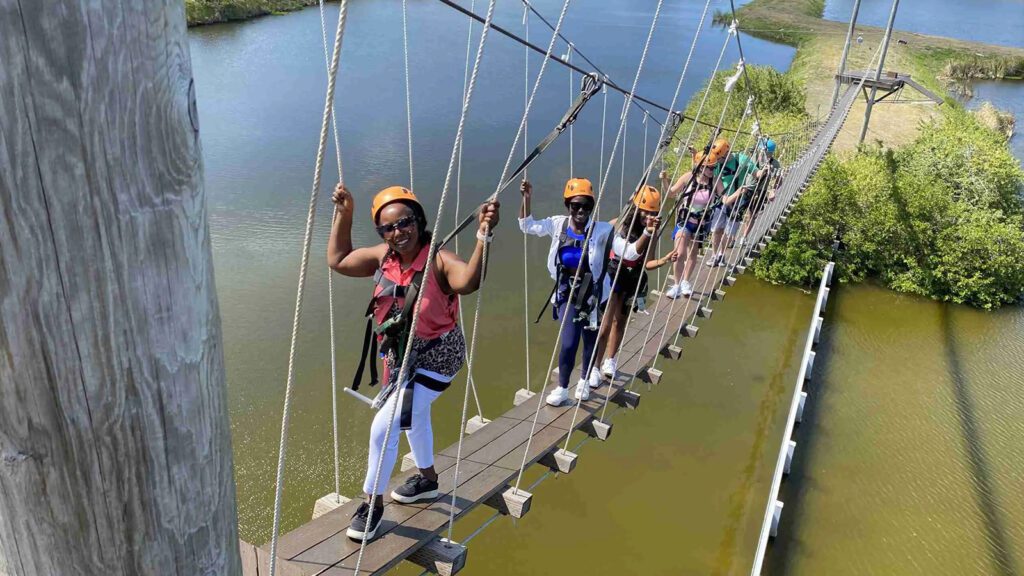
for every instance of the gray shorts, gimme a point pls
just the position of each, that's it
(723, 220)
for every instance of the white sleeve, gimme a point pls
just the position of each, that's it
(542, 227)
(619, 246)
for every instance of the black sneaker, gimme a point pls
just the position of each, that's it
(416, 488)
(363, 524)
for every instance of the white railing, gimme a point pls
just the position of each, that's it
(773, 512)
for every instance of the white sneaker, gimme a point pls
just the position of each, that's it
(720, 260)
(609, 366)
(710, 261)
(582, 390)
(595, 378)
(673, 292)
(558, 396)
(685, 289)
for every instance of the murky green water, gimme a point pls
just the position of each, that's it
(910, 459)
(680, 487)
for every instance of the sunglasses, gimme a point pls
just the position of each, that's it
(404, 223)
(580, 206)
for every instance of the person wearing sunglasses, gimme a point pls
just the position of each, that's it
(579, 268)
(398, 266)
(699, 189)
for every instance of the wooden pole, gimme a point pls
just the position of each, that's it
(115, 448)
(878, 72)
(846, 52)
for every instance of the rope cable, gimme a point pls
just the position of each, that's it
(428, 266)
(330, 287)
(303, 268)
(526, 151)
(590, 230)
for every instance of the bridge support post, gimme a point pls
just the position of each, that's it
(846, 52)
(440, 556)
(327, 503)
(878, 72)
(114, 417)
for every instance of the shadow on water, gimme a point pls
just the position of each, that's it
(995, 531)
(767, 414)
(806, 434)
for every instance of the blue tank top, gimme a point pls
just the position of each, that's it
(571, 253)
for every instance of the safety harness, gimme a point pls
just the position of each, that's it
(392, 336)
(566, 281)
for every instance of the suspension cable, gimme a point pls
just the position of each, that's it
(573, 48)
(526, 138)
(535, 48)
(332, 73)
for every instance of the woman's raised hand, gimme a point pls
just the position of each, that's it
(526, 189)
(652, 223)
(342, 198)
(489, 216)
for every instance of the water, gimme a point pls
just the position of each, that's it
(990, 21)
(697, 450)
(1007, 96)
(909, 458)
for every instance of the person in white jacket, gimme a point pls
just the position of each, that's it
(575, 261)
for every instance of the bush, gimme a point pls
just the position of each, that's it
(941, 217)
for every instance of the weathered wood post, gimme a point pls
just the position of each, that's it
(115, 450)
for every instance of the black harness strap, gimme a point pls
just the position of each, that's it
(590, 86)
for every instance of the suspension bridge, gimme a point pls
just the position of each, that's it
(484, 468)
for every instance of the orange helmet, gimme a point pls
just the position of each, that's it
(578, 187)
(709, 158)
(720, 148)
(389, 195)
(648, 199)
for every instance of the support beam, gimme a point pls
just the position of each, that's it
(878, 73)
(672, 352)
(651, 376)
(116, 452)
(690, 331)
(846, 52)
(597, 429)
(523, 395)
(559, 461)
(475, 423)
(327, 503)
(511, 502)
(440, 556)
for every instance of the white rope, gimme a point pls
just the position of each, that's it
(568, 60)
(590, 230)
(600, 170)
(458, 201)
(428, 267)
(663, 133)
(526, 138)
(622, 162)
(330, 285)
(408, 88)
(465, 400)
(303, 268)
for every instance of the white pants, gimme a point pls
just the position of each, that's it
(722, 220)
(420, 436)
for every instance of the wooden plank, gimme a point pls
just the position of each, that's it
(116, 440)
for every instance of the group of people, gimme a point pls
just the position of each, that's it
(599, 270)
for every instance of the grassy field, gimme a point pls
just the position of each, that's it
(940, 64)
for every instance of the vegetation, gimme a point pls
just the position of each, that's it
(940, 217)
(210, 11)
(780, 107)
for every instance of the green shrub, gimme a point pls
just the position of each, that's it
(940, 217)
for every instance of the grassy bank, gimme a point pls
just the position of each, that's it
(942, 65)
(212, 11)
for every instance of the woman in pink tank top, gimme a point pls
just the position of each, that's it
(399, 268)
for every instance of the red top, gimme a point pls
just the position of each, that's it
(439, 312)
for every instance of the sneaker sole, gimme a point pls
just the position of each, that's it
(358, 536)
(550, 403)
(431, 495)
